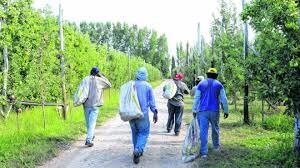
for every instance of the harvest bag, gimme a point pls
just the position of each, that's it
(129, 107)
(169, 89)
(82, 92)
(191, 144)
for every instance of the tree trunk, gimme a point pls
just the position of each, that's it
(262, 111)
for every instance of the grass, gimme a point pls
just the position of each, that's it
(24, 142)
(257, 145)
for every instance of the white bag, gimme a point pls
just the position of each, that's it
(191, 144)
(129, 107)
(82, 92)
(169, 89)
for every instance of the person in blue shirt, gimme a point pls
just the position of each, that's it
(209, 94)
(140, 128)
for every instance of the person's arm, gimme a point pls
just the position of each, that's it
(105, 82)
(186, 89)
(151, 100)
(193, 91)
(196, 101)
(223, 100)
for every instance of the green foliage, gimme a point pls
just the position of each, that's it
(25, 143)
(276, 69)
(279, 122)
(228, 48)
(138, 42)
(33, 47)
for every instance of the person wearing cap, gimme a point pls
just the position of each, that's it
(140, 128)
(209, 94)
(198, 80)
(176, 104)
(98, 82)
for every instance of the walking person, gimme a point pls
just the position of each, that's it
(140, 128)
(176, 105)
(198, 80)
(209, 94)
(97, 83)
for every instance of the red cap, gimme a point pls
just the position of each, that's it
(179, 76)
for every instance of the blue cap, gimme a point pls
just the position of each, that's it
(95, 70)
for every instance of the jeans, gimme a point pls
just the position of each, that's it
(140, 129)
(91, 115)
(204, 118)
(175, 113)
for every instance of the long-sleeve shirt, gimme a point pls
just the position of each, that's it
(208, 95)
(145, 96)
(182, 89)
(95, 96)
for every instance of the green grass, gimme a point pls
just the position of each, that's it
(24, 142)
(256, 145)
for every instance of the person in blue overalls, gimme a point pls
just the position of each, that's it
(140, 128)
(209, 94)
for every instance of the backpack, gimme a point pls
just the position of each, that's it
(129, 107)
(82, 92)
(170, 89)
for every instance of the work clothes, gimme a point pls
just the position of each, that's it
(175, 116)
(94, 100)
(140, 128)
(95, 96)
(176, 106)
(209, 94)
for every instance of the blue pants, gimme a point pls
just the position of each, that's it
(91, 115)
(140, 129)
(204, 118)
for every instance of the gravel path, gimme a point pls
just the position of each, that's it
(113, 147)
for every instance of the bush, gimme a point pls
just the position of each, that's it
(279, 122)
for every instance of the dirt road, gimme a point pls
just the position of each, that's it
(113, 147)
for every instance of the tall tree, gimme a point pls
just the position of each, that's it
(277, 67)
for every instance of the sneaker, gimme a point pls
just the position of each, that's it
(203, 156)
(176, 133)
(89, 144)
(136, 158)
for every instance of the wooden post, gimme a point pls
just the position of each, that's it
(262, 111)
(62, 62)
(4, 109)
(246, 87)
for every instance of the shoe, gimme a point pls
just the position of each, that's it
(176, 133)
(168, 131)
(89, 144)
(136, 158)
(203, 156)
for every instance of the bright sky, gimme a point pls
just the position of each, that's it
(176, 18)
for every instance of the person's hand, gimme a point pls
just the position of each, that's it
(226, 115)
(155, 118)
(194, 115)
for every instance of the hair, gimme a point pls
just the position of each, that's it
(212, 75)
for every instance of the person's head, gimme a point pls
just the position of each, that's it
(212, 73)
(199, 79)
(179, 76)
(141, 74)
(94, 71)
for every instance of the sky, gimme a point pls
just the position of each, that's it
(178, 19)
